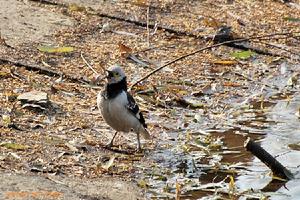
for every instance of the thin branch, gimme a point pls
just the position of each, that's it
(138, 23)
(148, 30)
(277, 168)
(48, 2)
(42, 70)
(281, 48)
(144, 24)
(165, 28)
(87, 64)
(205, 48)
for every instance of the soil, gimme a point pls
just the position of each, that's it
(18, 186)
(58, 150)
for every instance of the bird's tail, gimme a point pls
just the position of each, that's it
(145, 133)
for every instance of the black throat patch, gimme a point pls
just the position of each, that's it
(114, 89)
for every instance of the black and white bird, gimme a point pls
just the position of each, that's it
(118, 108)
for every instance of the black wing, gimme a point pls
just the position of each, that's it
(134, 109)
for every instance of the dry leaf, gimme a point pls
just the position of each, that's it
(124, 50)
(141, 3)
(76, 8)
(231, 84)
(178, 190)
(211, 22)
(14, 146)
(51, 49)
(225, 62)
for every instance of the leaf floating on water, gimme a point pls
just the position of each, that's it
(14, 146)
(243, 54)
(231, 185)
(294, 146)
(51, 49)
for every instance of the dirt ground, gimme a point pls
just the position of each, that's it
(58, 152)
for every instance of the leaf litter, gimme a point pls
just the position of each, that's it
(187, 106)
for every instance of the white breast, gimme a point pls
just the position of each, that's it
(115, 113)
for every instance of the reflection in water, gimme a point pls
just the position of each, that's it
(203, 167)
(278, 136)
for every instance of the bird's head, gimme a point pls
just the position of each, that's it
(115, 74)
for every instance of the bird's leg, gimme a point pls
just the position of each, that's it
(139, 142)
(112, 140)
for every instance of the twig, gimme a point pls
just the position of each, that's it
(47, 2)
(144, 24)
(116, 150)
(253, 49)
(55, 181)
(138, 23)
(281, 48)
(42, 70)
(165, 28)
(205, 48)
(148, 30)
(277, 168)
(87, 64)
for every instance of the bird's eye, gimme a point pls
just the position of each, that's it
(116, 74)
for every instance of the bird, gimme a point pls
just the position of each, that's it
(118, 108)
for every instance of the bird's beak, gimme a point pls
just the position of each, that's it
(110, 74)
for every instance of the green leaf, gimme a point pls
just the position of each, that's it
(14, 146)
(51, 49)
(242, 54)
(292, 19)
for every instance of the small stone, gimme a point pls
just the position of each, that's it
(34, 97)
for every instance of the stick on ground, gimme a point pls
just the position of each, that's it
(277, 168)
(41, 70)
(287, 34)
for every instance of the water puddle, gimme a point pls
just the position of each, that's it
(213, 163)
(277, 141)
